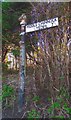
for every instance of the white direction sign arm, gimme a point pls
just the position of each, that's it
(42, 25)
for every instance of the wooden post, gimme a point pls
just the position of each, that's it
(22, 20)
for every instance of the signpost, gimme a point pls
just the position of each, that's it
(42, 25)
(26, 29)
(22, 20)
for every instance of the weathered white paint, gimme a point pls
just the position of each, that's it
(42, 25)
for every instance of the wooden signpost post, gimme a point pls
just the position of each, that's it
(26, 29)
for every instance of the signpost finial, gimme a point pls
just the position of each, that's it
(22, 17)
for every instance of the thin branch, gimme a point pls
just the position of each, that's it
(56, 89)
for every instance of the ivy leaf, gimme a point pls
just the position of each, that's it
(68, 110)
(56, 105)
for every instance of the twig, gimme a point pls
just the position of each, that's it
(56, 89)
(44, 77)
(25, 113)
(37, 106)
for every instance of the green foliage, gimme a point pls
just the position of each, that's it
(10, 29)
(49, 110)
(63, 92)
(55, 105)
(66, 108)
(61, 78)
(59, 106)
(49, 99)
(8, 62)
(4, 66)
(16, 52)
(59, 99)
(7, 92)
(33, 114)
(5, 5)
(36, 98)
(60, 102)
(6, 19)
(61, 117)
